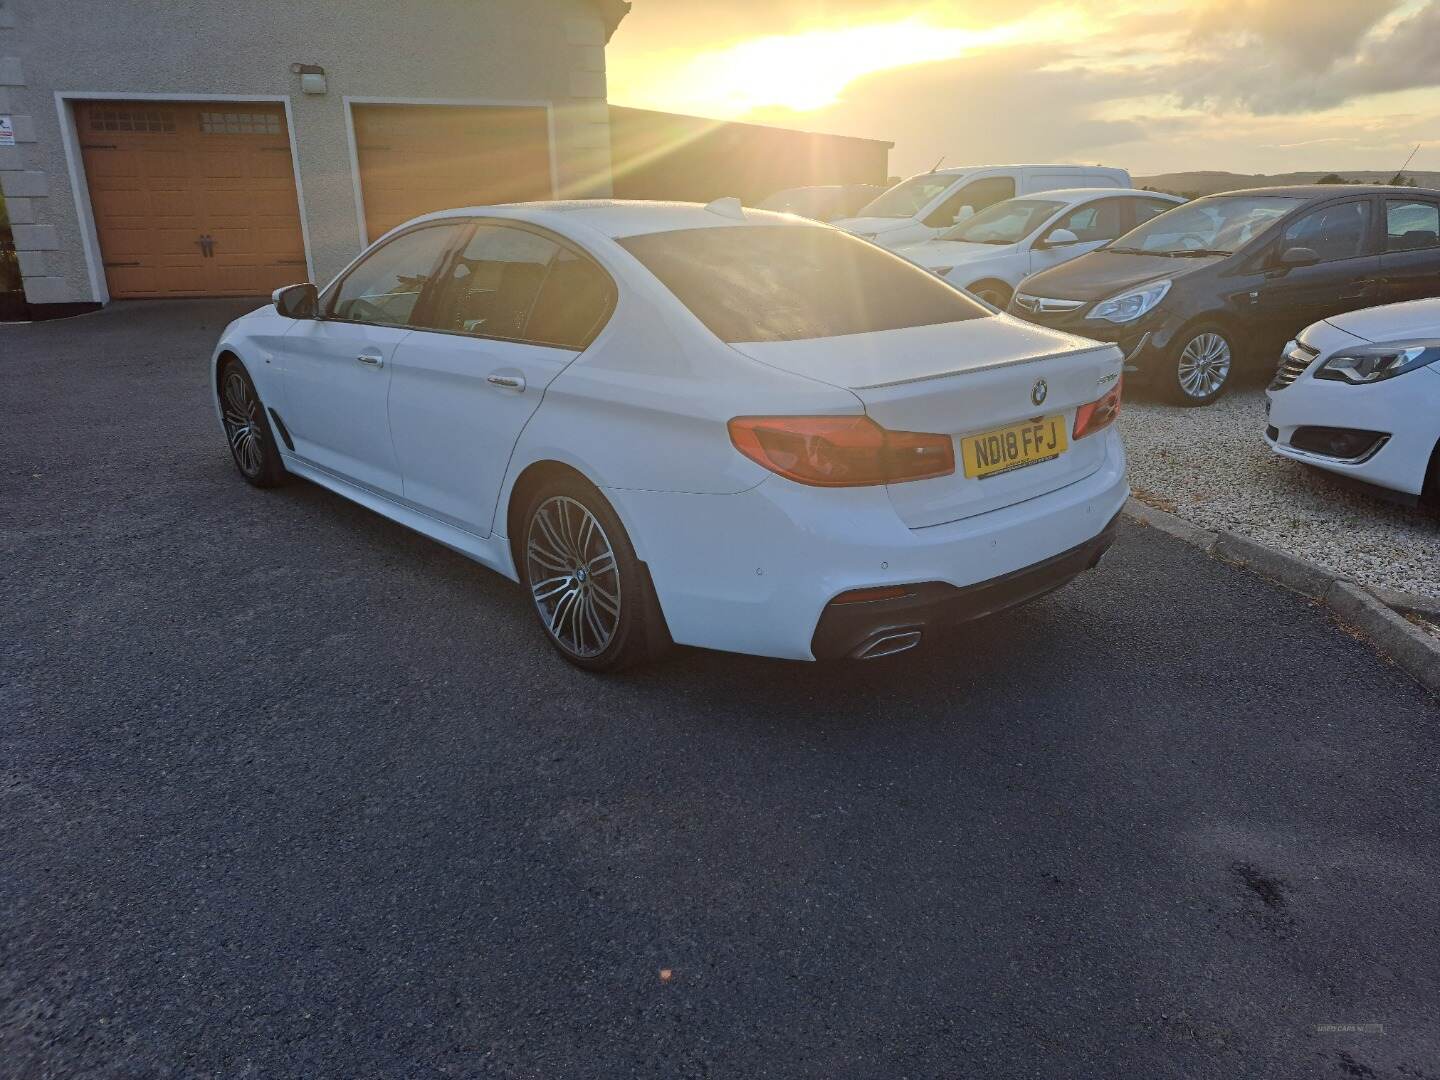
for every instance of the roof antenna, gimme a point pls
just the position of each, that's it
(1401, 174)
(936, 166)
(727, 207)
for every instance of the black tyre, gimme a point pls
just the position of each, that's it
(593, 597)
(1201, 365)
(1430, 493)
(247, 428)
(995, 293)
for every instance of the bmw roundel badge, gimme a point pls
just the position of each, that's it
(1039, 391)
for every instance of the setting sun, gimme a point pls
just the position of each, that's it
(810, 70)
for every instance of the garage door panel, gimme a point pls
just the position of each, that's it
(161, 177)
(172, 165)
(176, 242)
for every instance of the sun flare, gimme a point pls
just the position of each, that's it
(810, 70)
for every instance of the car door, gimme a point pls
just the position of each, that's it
(1095, 223)
(1346, 277)
(1410, 262)
(514, 307)
(337, 366)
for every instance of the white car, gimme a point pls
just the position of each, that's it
(991, 253)
(1358, 394)
(725, 428)
(924, 206)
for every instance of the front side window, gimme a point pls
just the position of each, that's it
(909, 197)
(384, 287)
(1332, 232)
(1411, 225)
(971, 199)
(1094, 221)
(1006, 222)
(787, 283)
(1221, 224)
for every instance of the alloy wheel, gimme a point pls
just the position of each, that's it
(241, 414)
(1204, 365)
(574, 578)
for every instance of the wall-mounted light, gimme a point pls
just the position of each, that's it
(312, 78)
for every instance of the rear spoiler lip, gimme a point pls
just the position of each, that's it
(1011, 362)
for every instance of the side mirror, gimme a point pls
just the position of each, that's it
(1294, 257)
(297, 301)
(965, 213)
(1060, 238)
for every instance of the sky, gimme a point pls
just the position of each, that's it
(1250, 86)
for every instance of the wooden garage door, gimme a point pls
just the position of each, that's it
(417, 158)
(192, 199)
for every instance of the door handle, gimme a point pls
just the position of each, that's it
(373, 359)
(507, 382)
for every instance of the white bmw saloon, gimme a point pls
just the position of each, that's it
(675, 423)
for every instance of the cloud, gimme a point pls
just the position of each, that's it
(1309, 31)
(1256, 67)
(1002, 106)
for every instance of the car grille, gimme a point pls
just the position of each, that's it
(1293, 364)
(1044, 305)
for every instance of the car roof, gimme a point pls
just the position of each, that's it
(617, 218)
(955, 170)
(1312, 192)
(1080, 194)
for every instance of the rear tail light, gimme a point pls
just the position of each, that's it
(1098, 415)
(841, 451)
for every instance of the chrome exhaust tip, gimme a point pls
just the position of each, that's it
(887, 643)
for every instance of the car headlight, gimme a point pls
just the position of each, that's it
(1129, 306)
(1372, 363)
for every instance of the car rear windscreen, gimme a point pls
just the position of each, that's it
(788, 283)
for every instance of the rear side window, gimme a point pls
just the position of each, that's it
(492, 285)
(1145, 209)
(788, 283)
(1332, 232)
(1410, 225)
(574, 301)
(1094, 221)
(517, 285)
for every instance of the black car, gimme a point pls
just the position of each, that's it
(1228, 279)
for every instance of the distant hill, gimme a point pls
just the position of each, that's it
(1208, 183)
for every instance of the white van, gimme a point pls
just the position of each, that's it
(921, 207)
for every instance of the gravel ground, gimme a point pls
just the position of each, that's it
(1212, 467)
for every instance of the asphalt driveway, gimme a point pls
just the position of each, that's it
(286, 790)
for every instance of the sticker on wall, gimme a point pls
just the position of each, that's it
(7, 131)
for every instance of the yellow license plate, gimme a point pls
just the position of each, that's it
(1013, 447)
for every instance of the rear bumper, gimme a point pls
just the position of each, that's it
(755, 571)
(884, 627)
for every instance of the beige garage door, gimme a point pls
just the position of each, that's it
(192, 199)
(417, 158)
